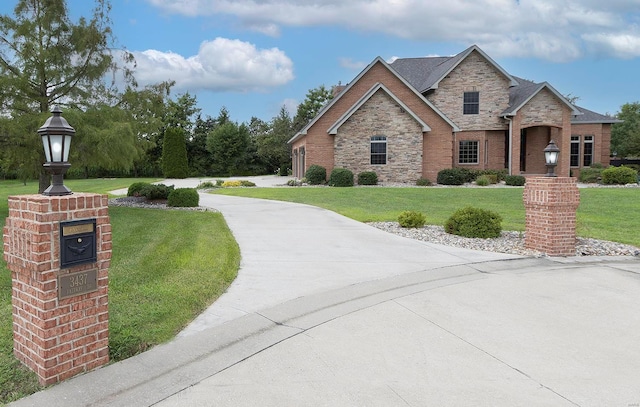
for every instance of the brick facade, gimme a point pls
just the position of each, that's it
(56, 338)
(550, 215)
(543, 117)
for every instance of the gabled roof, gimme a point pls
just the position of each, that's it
(426, 73)
(354, 81)
(590, 117)
(333, 130)
(526, 90)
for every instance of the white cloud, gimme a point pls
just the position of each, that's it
(351, 64)
(551, 29)
(220, 65)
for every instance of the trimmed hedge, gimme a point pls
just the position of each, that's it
(515, 180)
(316, 175)
(455, 176)
(341, 177)
(619, 176)
(367, 178)
(183, 197)
(474, 222)
(156, 191)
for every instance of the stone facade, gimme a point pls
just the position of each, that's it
(544, 109)
(381, 116)
(473, 74)
(56, 337)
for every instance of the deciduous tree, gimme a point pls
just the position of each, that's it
(625, 136)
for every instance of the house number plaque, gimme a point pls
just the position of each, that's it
(84, 282)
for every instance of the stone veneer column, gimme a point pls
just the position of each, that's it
(56, 338)
(550, 209)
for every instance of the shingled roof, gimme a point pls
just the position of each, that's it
(425, 74)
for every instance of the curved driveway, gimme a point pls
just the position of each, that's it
(327, 311)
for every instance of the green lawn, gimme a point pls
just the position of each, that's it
(604, 213)
(167, 266)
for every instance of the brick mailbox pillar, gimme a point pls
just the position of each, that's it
(550, 209)
(58, 249)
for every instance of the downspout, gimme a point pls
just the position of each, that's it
(510, 138)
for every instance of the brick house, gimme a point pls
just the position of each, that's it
(416, 116)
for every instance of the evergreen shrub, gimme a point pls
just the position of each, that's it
(515, 180)
(136, 188)
(590, 175)
(455, 176)
(412, 219)
(175, 163)
(368, 178)
(619, 176)
(183, 197)
(423, 182)
(316, 175)
(341, 177)
(474, 222)
(156, 191)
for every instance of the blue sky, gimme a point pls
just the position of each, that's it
(254, 56)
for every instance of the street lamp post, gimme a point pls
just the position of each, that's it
(56, 139)
(551, 155)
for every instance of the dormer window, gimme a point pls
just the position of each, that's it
(471, 103)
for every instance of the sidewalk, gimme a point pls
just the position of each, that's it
(349, 315)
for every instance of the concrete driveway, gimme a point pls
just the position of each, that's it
(327, 311)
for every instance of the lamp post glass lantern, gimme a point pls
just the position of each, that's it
(551, 155)
(56, 139)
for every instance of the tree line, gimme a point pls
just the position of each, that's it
(122, 129)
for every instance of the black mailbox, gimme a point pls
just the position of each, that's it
(77, 242)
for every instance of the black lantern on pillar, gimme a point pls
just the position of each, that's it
(56, 139)
(551, 155)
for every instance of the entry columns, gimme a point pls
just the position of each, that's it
(60, 314)
(550, 209)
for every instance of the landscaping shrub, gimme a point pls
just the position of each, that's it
(590, 175)
(412, 219)
(367, 178)
(423, 182)
(136, 188)
(183, 197)
(484, 180)
(231, 183)
(341, 177)
(206, 185)
(474, 222)
(455, 176)
(247, 183)
(316, 175)
(619, 176)
(515, 180)
(156, 191)
(497, 175)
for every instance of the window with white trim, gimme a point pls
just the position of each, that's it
(587, 151)
(468, 152)
(471, 103)
(378, 150)
(575, 151)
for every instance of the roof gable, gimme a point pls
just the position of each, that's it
(427, 73)
(521, 95)
(333, 130)
(377, 60)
